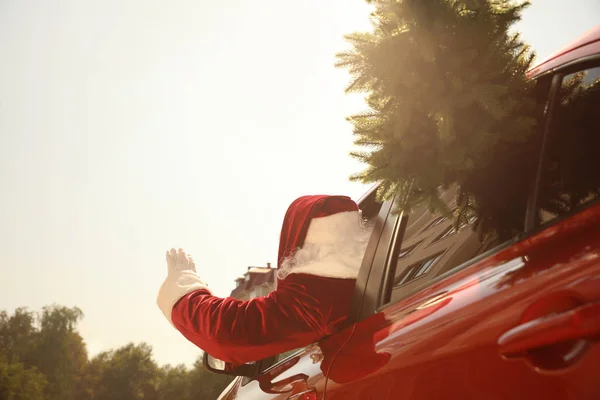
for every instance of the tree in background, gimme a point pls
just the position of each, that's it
(43, 357)
(19, 377)
(60, 352)
(448, 102)
(17, 336)
(175, 383)
(128, 373)
(197, 383)
(18, 382)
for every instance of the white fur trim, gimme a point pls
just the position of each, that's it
(340, 258)
(327, 230)
(176, 285)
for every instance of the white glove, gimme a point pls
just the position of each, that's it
(181, 280)
(178, 260)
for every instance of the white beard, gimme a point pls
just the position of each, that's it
(340, 259)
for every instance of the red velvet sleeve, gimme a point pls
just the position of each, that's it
(301, 311)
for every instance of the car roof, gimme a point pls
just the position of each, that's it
(573, 51)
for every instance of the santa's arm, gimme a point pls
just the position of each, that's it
(233, 330)
(242, 331)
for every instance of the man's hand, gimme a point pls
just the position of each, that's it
(181, 280)
(178, 260)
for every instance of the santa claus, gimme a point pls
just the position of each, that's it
(322, 242)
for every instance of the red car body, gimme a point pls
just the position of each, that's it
(519, 321)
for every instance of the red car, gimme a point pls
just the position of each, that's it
(439, 313)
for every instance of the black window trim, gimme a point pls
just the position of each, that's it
(371, 275)
(557, 73)
(530, 216)
(363, 292)
(567, 69)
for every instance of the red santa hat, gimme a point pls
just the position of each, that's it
(316, 219)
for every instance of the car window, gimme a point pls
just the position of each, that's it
(570, 178)
(432, 247)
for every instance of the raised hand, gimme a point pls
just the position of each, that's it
(178, 260)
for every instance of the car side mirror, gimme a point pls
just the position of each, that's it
(250, 370)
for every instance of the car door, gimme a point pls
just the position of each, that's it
(449, 316)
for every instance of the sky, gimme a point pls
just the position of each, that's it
(130, 127)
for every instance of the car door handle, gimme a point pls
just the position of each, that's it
(579, 323)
